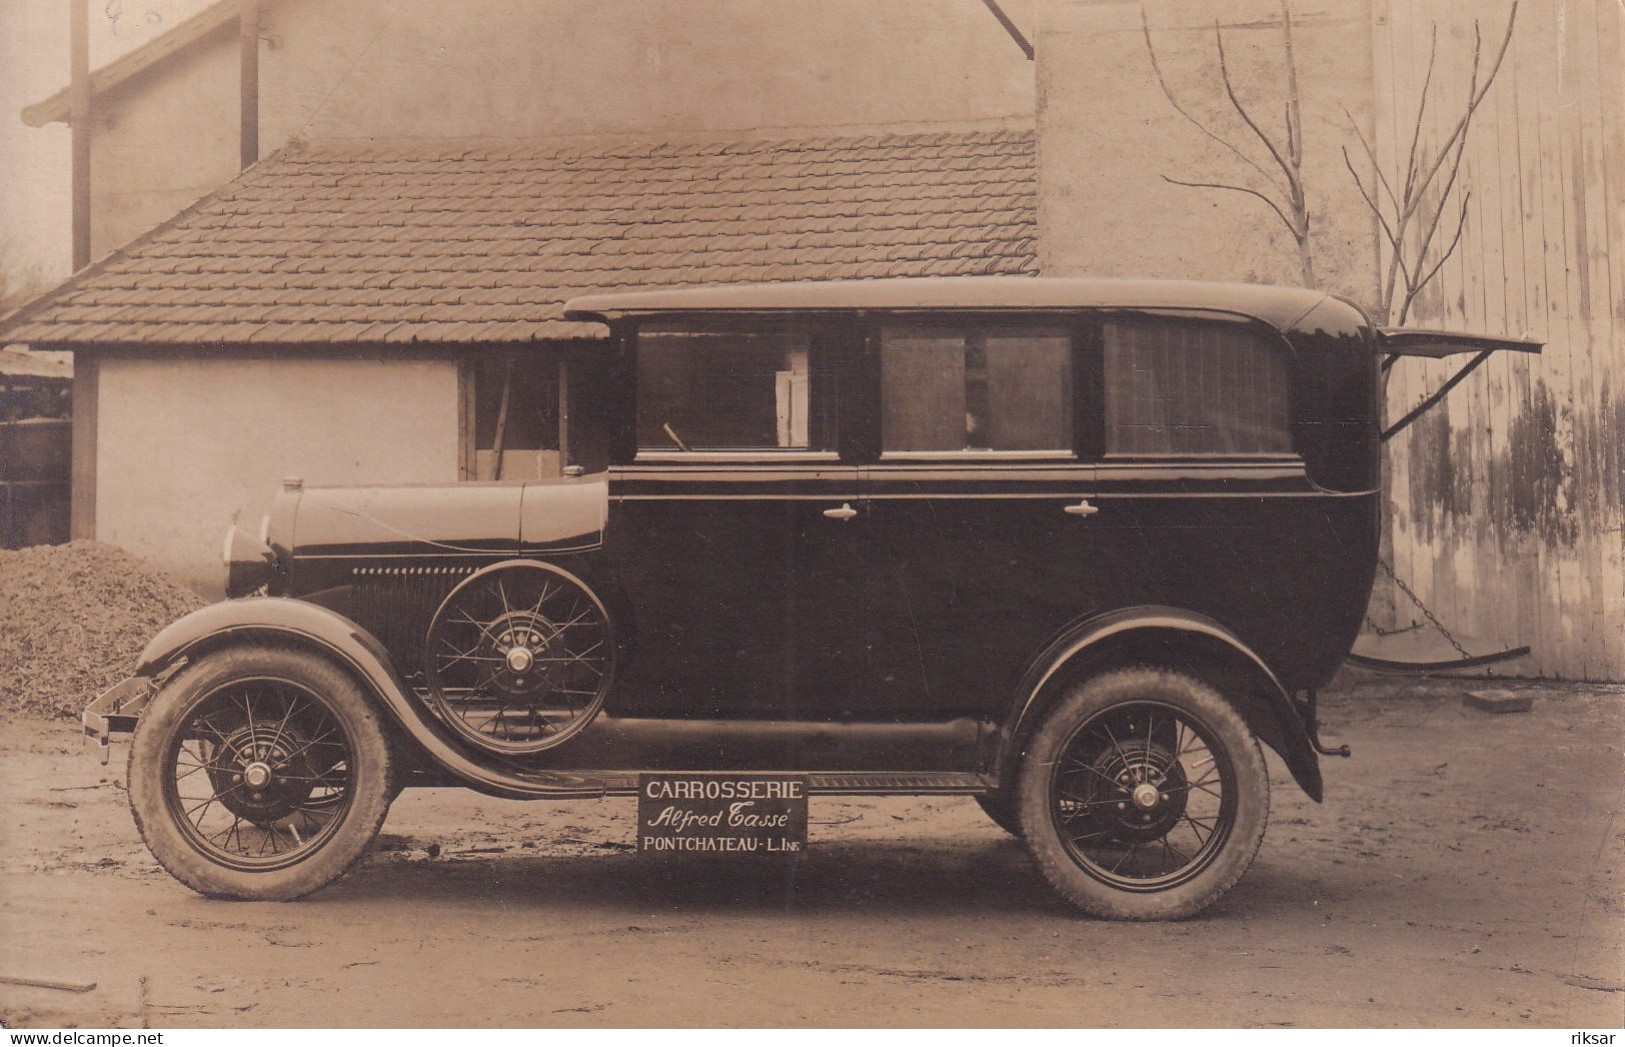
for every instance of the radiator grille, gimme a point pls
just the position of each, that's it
(395, 604)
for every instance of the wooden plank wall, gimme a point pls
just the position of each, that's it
(1506, 509)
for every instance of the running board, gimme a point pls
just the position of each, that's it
(882, 783)
(829, 783)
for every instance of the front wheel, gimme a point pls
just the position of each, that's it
(259, 773)
(1143, 795)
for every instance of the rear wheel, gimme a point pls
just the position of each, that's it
(1143, 795)
(259, 773)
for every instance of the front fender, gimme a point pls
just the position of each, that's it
(1174, 637)
(283, 620)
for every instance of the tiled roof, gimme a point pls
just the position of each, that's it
(458, 243)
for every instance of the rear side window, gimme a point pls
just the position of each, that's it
(1190, 388)
(733, 389)
(975, 388)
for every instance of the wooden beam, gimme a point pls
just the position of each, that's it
(467, 467)
(1010, 27)
(564, 408)
(248, 65)
(215, 19)
(47, 983)
(86, 393)
(79, 110)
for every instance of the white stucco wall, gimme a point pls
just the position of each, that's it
(189, 444)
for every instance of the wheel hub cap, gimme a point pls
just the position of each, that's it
(1149, 797)
(262, 770)
(523, 641)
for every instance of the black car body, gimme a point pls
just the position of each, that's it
(1066, 546)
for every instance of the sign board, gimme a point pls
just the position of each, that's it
(745, 814)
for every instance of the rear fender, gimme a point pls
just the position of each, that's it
(290, 622)
(1176, 639)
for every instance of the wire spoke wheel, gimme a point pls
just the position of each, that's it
(1143, 795)
(259, 774)
(519, 657)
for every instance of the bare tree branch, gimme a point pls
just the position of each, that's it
(1475, 98)
(1294, 134)
(1421, 111)
(1156, 67)
(1386, 288)
(1371, 154)
(1241, 110)
(1426, 241)
(1405, 206)
(1286, 201)
(1370, 200)
(1417, 213)
(1416, 288)
(1235, 189)
(1294, 121)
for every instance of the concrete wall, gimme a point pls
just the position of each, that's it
(548, 69)
(189, 444)
(1109, 138)
(161, 142)
(525, 68)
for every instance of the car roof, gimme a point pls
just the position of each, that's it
(1280, 307)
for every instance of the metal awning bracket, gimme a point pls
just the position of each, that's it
(1444, 390)
(1436, 345)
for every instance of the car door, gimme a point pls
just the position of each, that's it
(978, 502)
(732, 527)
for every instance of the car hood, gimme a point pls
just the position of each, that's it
(451, 520)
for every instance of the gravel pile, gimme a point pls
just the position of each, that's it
(73, 618)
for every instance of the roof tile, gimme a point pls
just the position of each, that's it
(448, 243)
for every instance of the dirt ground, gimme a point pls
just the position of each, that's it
(1467, 869)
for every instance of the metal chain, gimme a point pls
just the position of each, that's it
(1423, 608)
(1380, 631)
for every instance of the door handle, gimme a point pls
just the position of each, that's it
(842, 512)
(1083, 508)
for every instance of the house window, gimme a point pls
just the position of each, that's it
(515, 417)
(983, 388)
(1186, 388)
(732, 389)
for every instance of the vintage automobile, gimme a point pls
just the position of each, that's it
(1070, 547)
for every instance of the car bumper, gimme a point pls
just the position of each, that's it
(117, 710)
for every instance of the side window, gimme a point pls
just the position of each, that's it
(1192, 388)
(513, 417)
(983, 387)
(722, 389)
